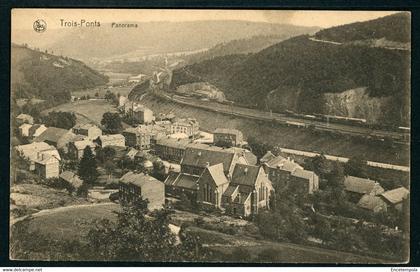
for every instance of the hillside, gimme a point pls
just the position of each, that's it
(36, 74)
(152, 38)
(240, 46)
(393, 28)
(297, 73)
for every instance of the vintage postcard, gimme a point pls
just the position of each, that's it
(228, 136)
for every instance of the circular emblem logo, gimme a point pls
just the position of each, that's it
(40, 25)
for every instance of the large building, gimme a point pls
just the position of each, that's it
(189, 126)
(211, 186)
(226, 137)
(357, 187)
(171, 149)
(111, 140)
(143, 136)
(248, 192)
(133, 186)
(32, 152)
(47, 166)
(139, 113)
(91, 131)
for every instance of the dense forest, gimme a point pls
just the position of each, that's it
(307, 69)
(393, 28)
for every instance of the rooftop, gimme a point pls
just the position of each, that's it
(51, 134)
(139, 179)
(245, 174)
(396, 195)
(361, 185)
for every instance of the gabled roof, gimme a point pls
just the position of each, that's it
(71, 178)
(24, 116)
(111, 137)
(248, 155)
(182, 181)
(372, 203)
(174, 143)
(362, 185)
(216, 172)
(203, 156)
(267, 157)
(302, 173)
(230, 190)
(139, 179)
(51, 134)
(283, 164)
(31, 151)
(245, 174)
(396, 195)
(83, 143)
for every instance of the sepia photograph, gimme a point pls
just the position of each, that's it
(232, 136)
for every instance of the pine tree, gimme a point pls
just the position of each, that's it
(87, 167)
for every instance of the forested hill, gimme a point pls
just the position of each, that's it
(296, 74)
(243, 46)
(393, 28)
(36, 74)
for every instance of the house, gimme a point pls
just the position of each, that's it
(279, 170)
(111, 139)
(178, 184)
(248, 192)
(89, 130)
(199, 156)
(372, 203)
(72, 179)
(187, 126)
(36, 130)
(303, 182)
(133, 186)
(249, 157)
(357, 187)
(24, 119)
(76, 148)
(211, 186)
(57, 137)
(142, 136)
(47, 166)
(24, 130)
(139, 113)
(267, 157)
(395, 198)
(171, 149)
(226, 137)
(31, 152)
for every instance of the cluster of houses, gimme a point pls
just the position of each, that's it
(220, 174)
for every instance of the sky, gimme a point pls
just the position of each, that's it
(24, 18)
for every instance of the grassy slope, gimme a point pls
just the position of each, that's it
(284, 136)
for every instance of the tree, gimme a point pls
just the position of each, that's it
(109, 167)
(87, 167)
(136, 236)
(356, 166)
(159, 170)
(60, 119)
(320, 165)
(105, 154)
(111, 97)
(112, 122)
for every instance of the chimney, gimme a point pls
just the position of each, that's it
(246, 170)
(207, 164)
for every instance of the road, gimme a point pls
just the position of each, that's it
(283, 119)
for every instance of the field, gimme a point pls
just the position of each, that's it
(71, 222)
(287, 137)
(28, 198)
(86, 110)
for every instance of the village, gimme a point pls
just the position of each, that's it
(172, 163)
